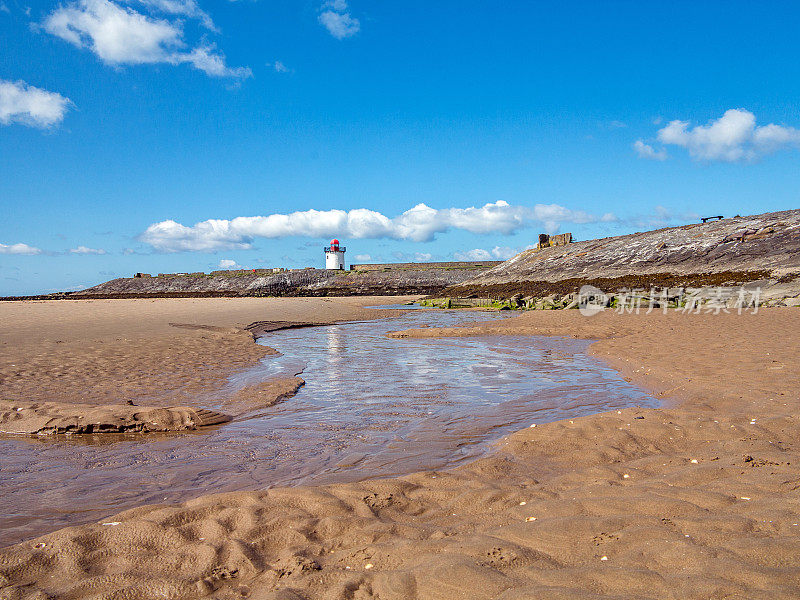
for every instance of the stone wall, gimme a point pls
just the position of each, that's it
(405, 279)
(483, 264)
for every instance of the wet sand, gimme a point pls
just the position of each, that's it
(697, 500)
(150, 351)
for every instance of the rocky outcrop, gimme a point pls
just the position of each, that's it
(761, 250)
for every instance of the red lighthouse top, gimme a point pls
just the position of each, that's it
(334, 247)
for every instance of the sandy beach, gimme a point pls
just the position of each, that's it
(698, 499)
(153, 351)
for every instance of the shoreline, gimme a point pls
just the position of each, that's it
(536, 517)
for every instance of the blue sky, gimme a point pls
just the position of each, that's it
(178, 135)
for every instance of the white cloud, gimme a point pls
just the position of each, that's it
(279, 67)
(363, 257)
(19, 249)
(496, 253)
(421, 223)
(115, 34)
(336, 18)
(339, 25)
(185, 8)
(229, 265)
(476, 254)
(28, 105)
(771, 138)
(553, 215)
(733, 137)
(423, 256)
(722, 139)
(211, 62)
(85, 250)
(211, 235)
(661, 217)
(418, 224)
(120, 36)
(647, 151)
(504, 252)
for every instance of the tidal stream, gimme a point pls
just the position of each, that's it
(372, 406)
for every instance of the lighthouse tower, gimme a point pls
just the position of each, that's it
(334, 256)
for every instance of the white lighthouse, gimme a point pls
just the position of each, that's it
(334, 256)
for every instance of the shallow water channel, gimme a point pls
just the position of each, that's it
(372, 406)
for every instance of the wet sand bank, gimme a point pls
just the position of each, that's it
(697, 500)
(151, 351)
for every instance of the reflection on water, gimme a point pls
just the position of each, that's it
(334, 362)
(371, 406)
